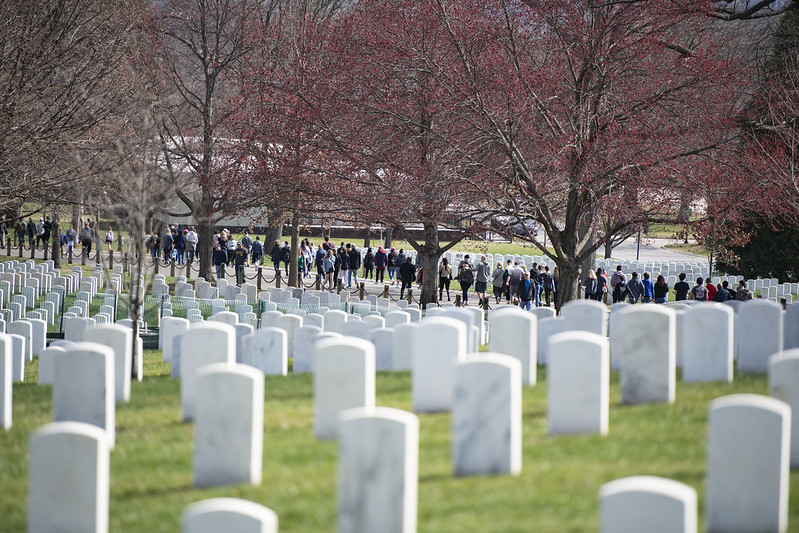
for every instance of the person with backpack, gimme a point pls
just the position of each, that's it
(601, 285)
(742, 294)
(620, 287)
(699, 292)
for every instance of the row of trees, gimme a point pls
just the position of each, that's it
(588, 118)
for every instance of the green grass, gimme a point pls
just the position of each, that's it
(696, 249)
(151, 480)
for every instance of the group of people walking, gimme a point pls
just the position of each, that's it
(635, 290)
(512, 281)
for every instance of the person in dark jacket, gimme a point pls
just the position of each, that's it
(220, 260)
(601, 285)
(721, 294)
(355, 264)
(276, 255)
(465, 278)
(344, 264)
(590, 284)
(286, 256)
(319, 261)
(547, 286)
(635, 289)
(257, 250)
(381, 259)
(407, 275)
(368, 264)
(391, 264)
(240, 261)
(526, 291)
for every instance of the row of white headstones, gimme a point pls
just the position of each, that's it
(483, 392)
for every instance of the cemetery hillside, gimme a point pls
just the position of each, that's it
(374, 266)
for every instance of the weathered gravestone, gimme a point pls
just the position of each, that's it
(228, 425)
(68, 479)
(403, 343)
(334, 321)
(83, 387)
(759, 334)
(170, 328)
(783, 383)
(266, 349)
(205, 343)
(383, 340)
(708, 343)
(17, 356)
(47, 364)
(585, 315)
(546, 329)
(215, 515)
(747, 471)
(647, 504)
(487, 416)
(439, 343)
(578, 383)
(647, 346)
(378, 470)
(6, 390)
(24, 329)
(514, 332)
(119, 339)
(343, 378)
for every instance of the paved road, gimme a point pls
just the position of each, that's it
(653, 250)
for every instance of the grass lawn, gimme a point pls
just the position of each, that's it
(696, 249)
(151, 472)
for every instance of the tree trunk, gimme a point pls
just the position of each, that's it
(568, 284)
(295, 245)
(431, 253)
(205, 232)
(274, 229)
(387, 243)
(76, 216)
(367, 237)
(608, 248)
(55, 235)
